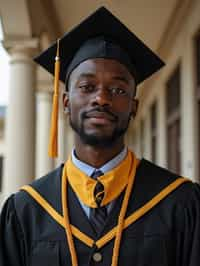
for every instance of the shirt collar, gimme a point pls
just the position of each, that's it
(88, 169)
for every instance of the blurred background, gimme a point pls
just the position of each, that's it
(167, 127)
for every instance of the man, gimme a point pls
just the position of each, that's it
(104, 206)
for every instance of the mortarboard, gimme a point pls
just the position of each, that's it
(101, 23)
(101, 35)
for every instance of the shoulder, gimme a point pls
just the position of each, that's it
(47, 186)
(155, 172)
(178, 209)
(152, 179)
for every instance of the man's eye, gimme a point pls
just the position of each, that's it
(117, 91)
(87, 88)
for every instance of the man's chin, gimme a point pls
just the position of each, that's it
(98, 141)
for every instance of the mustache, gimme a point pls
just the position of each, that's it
(100, 109)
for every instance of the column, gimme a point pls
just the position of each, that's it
(137, 141)
(161, 129)
(44, 163)
(62, 132)
(188, 114)
(130, 136)
(134, 138)
(20, 123)
(69, 140)
(147, 136)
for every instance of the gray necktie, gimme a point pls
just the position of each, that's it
(98, 215)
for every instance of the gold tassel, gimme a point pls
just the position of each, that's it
(53, 141)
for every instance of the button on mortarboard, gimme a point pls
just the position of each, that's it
(102, 23)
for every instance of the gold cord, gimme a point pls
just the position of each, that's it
(66, 219)
(122, 214)
(120, 225)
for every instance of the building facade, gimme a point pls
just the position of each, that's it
(167, 127)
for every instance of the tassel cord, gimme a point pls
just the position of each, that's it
(53, 141)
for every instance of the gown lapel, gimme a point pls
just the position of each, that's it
(79, 219)
(112, 218)
(77, 216)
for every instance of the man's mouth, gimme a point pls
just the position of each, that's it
(102, 118)
(102, 115)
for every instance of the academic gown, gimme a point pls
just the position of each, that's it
(167, 235)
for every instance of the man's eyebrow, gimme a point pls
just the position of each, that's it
(121, 78)
(86, 75)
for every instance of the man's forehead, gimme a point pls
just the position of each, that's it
(103, 66)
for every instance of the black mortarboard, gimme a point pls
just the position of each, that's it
(101, 35)
(81, 44)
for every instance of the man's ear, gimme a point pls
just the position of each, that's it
(66, 102)
(135, 107)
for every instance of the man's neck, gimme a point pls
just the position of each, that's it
(97, 156)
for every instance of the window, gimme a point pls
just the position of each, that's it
(1, 171)
(198, 63)
(199, 134)
(173, 121)
(4, 66)
(198, 91)
(153, 131)
(142, 142)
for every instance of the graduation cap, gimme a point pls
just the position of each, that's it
(101, 35)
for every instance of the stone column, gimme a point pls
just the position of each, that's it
(129, 137)
(62, 132)
(161, 124)
(44, 163)
(147, 137)
(65, 136)
(61, 140)
(20, 121)
(133, 138)
(188, 112)
(137, 141)
(69, 140)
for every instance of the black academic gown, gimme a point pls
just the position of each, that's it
(168, 235)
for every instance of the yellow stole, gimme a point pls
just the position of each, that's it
(114, 181)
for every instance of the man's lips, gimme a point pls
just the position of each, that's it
(100, 116)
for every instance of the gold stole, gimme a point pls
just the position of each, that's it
(114, 181)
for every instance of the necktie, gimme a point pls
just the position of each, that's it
(98, 215)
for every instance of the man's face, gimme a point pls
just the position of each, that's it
(100, 101)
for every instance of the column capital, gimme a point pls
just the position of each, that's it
(21, 46)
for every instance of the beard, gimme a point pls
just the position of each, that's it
(96, 140)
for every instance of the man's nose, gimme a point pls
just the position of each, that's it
(102, 97)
